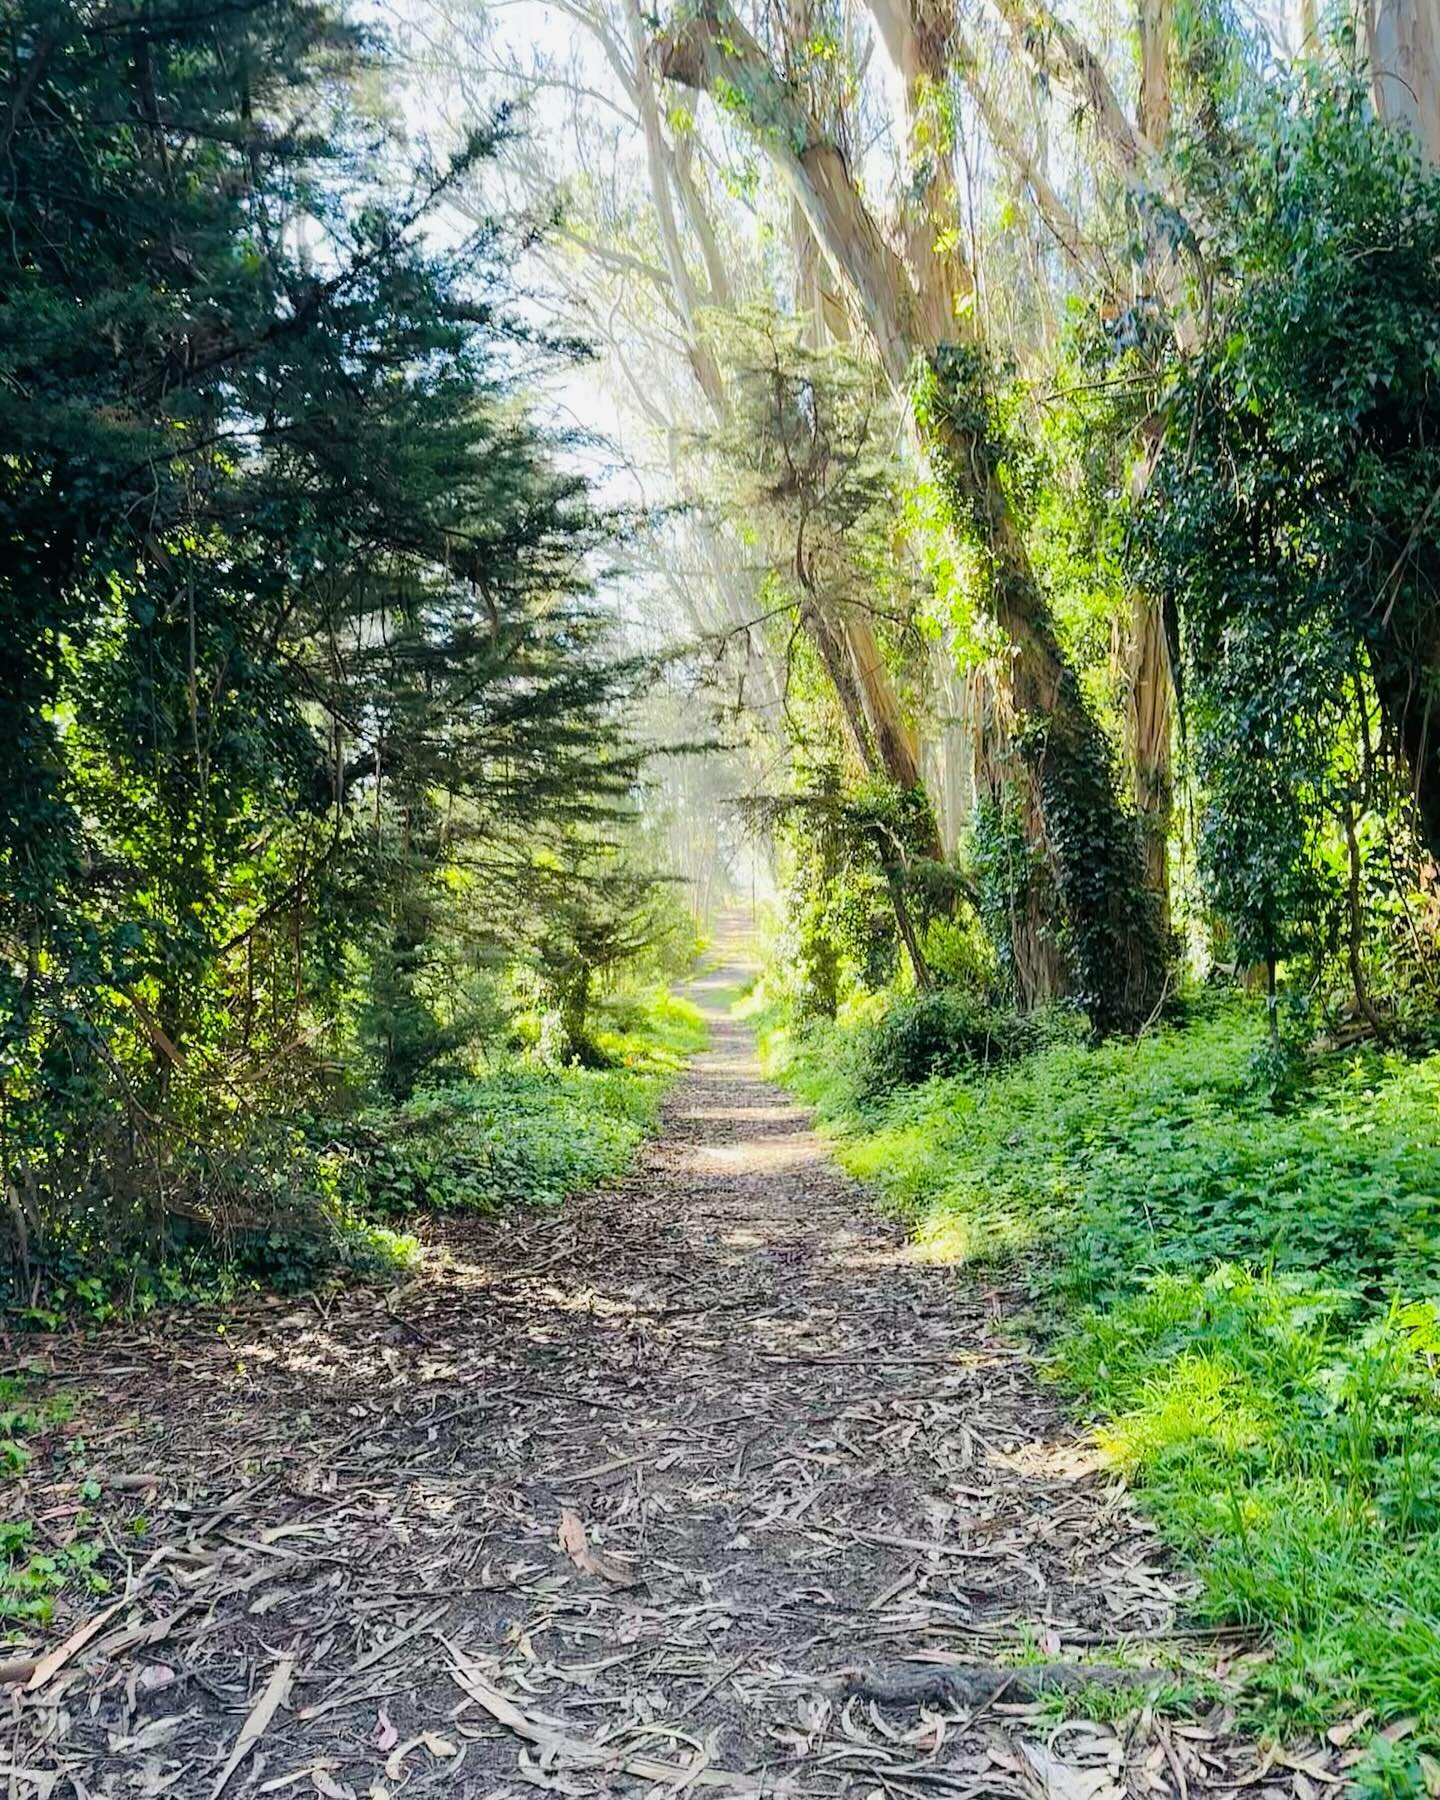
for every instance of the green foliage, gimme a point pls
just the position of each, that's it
(299, 677)
(520, 1134)
(1223, 1272)
(258, 1204)
(862, 882)
(598, 909)
(1085, 433)
(1288, 518)
(32, 1576)
(942, 1032)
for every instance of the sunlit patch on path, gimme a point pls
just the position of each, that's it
(703, 1482)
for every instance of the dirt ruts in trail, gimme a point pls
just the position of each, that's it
(611, 1500)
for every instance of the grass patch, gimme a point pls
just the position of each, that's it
(1244, 1287)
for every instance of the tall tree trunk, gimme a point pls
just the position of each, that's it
(1134, 150)
(1403, 43)
(1110, 930)
(919, 37)
(1038, 964)
(845, 642)
(1157, 27)
(1413, 724)
(1149, 714)
(1151, 680)
(698, 217)
(805, 259)
(687, 297)
(894, 740)
(1088, 840)
(711, 49)
(1403, 40)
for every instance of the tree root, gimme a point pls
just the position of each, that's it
(909, 1685)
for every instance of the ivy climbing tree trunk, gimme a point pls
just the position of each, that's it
(1062, 57)
(1088, 840)
(1110, 929)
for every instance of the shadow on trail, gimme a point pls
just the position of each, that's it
(653, 1468)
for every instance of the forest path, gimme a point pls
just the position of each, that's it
(597, 1502)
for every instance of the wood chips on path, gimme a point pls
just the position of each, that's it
(703, 1483)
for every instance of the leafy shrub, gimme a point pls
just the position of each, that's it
(520, 1136)
(261, 1204)
(942, 1033)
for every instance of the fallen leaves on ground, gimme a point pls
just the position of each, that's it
(601, 1501)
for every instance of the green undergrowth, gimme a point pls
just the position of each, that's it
(1243, 1284)
(326, 1198)
(521, 1133)
(34, 1572)
(517, 1136)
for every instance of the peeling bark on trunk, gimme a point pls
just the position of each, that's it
(894, 740)
(1108, 922)
(713, 49)
(1148, 722)
(1403, 44)
(918, 38)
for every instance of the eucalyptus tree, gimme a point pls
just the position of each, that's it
(1055, 755)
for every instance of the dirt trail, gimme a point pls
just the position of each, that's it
(599, 1503)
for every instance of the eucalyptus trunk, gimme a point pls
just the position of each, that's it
(1087, 838)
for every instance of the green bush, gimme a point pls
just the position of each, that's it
(520, 1136)
(261, 1204)
(942, 1033)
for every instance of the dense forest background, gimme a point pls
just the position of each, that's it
(1043, 416)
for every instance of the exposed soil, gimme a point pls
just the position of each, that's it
(616, 1499)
